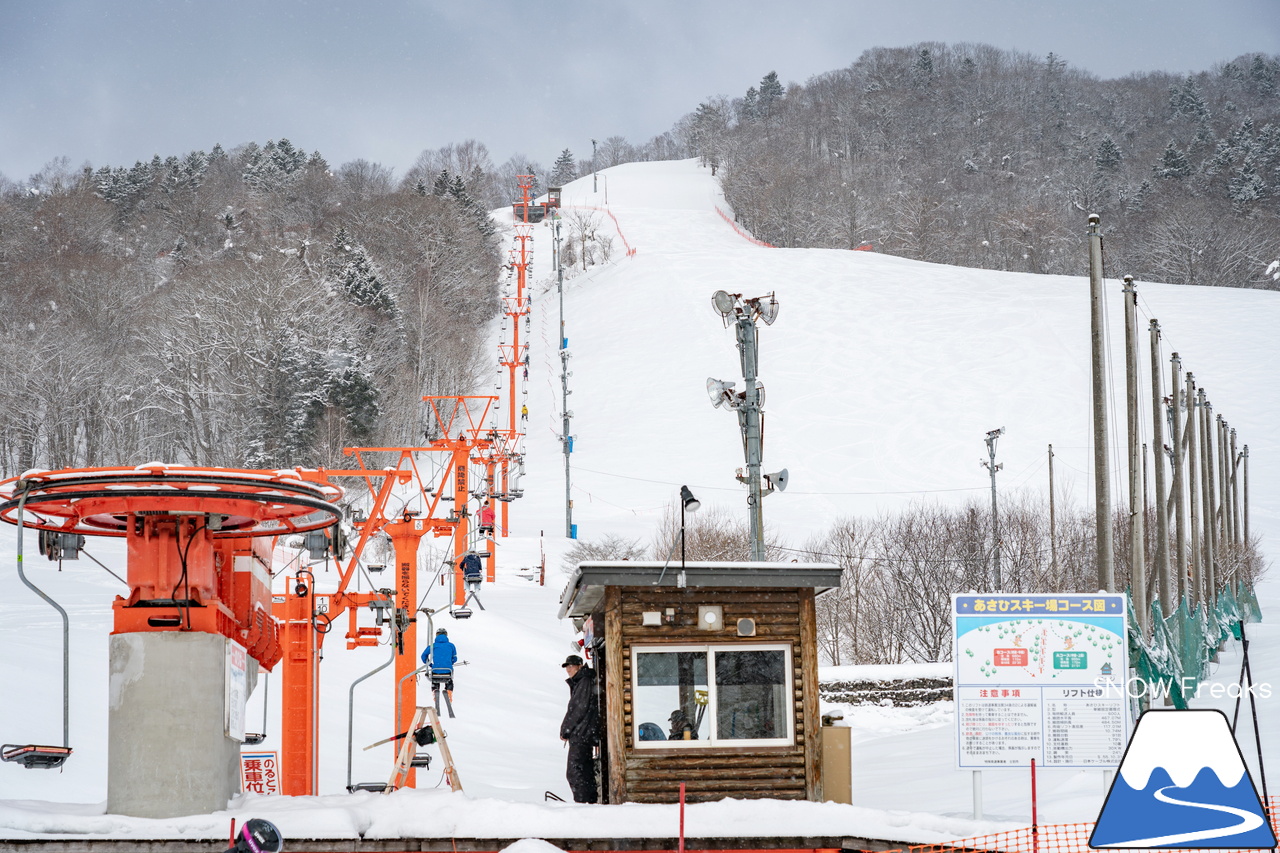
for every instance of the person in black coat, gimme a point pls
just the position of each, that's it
(581, 729)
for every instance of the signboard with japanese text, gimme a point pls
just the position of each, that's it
(259, 773)
(1032, 674)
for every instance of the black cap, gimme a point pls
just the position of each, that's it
(441, 631)
(572, 660)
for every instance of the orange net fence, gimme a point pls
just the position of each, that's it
(1053, 838)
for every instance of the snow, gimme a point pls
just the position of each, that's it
(1205, 741)
(883, 376)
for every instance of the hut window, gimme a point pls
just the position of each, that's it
(698, 696)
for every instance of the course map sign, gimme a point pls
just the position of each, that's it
(1031, 678)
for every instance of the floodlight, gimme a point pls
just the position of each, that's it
(768, 310)
(721, 393)
(723, 302)
(690, 503)
(759, 393)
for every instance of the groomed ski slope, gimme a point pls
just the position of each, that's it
(882, 375)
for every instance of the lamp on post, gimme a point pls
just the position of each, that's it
(688, 503)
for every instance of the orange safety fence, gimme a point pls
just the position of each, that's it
(1052, 838)
(742, 232)
(631, 252)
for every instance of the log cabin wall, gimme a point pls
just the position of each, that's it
(653, 775)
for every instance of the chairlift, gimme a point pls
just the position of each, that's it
(460, 612)
(379, 787)
(42, 756)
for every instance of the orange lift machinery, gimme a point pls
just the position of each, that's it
(199, 548)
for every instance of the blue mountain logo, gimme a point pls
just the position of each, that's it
(1182, 783)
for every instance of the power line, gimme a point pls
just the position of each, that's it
(728, 489)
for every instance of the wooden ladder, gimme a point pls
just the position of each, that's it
(425, 714)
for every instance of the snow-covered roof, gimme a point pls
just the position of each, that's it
(586, 586)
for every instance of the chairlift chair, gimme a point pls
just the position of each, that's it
(42, 756)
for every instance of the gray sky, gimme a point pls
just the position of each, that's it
(110, 82)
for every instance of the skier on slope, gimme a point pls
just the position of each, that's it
(441, 655)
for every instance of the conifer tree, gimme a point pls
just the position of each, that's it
(564, 169)
(1108, 158)
(770, 93)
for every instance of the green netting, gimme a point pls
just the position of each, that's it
(1178, 652)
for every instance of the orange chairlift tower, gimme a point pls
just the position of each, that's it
(460, 422)
(513, 357)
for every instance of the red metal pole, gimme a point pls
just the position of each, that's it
(1035, 832)
(681, 817)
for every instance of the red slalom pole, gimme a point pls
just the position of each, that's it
(1035, 832)
(681, 817)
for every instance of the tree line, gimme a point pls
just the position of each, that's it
(900, 568)
(975, 156)
(246, 307)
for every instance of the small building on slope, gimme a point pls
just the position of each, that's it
(708, 675)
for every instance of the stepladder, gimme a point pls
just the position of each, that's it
(424, 717)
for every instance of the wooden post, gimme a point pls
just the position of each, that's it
(1157, 461)
(1180, 498)
(1245, 455)
(1101, 465)
(1206, 488)
(1137, 555)
(1193, 489)
(809, 684)
(615, 724)
(1235, 492)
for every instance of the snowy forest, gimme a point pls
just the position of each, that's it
(974, 156)
(251, 307)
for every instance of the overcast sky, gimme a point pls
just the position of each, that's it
(110, 82)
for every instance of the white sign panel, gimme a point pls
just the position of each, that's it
(237, 692)
(1036, 677)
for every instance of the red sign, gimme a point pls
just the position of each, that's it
(1009, 657)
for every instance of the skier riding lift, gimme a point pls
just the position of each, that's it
(472, 571)
(441, 655)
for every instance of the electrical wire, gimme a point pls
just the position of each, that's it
(730, 489)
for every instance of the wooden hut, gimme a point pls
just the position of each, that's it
(708, 675)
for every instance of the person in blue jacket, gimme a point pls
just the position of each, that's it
(441, 655)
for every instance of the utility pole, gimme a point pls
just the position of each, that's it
(1193, 489)
(566, 440)
(1053, 525)
(1245, 457)
(1206, 486)
(991, 466)
(1137, 553)
(1101, 465)
(595, 173)
(1180, 499)
(1237, 536)
(1157, 460)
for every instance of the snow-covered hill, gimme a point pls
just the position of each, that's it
(883, 376)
